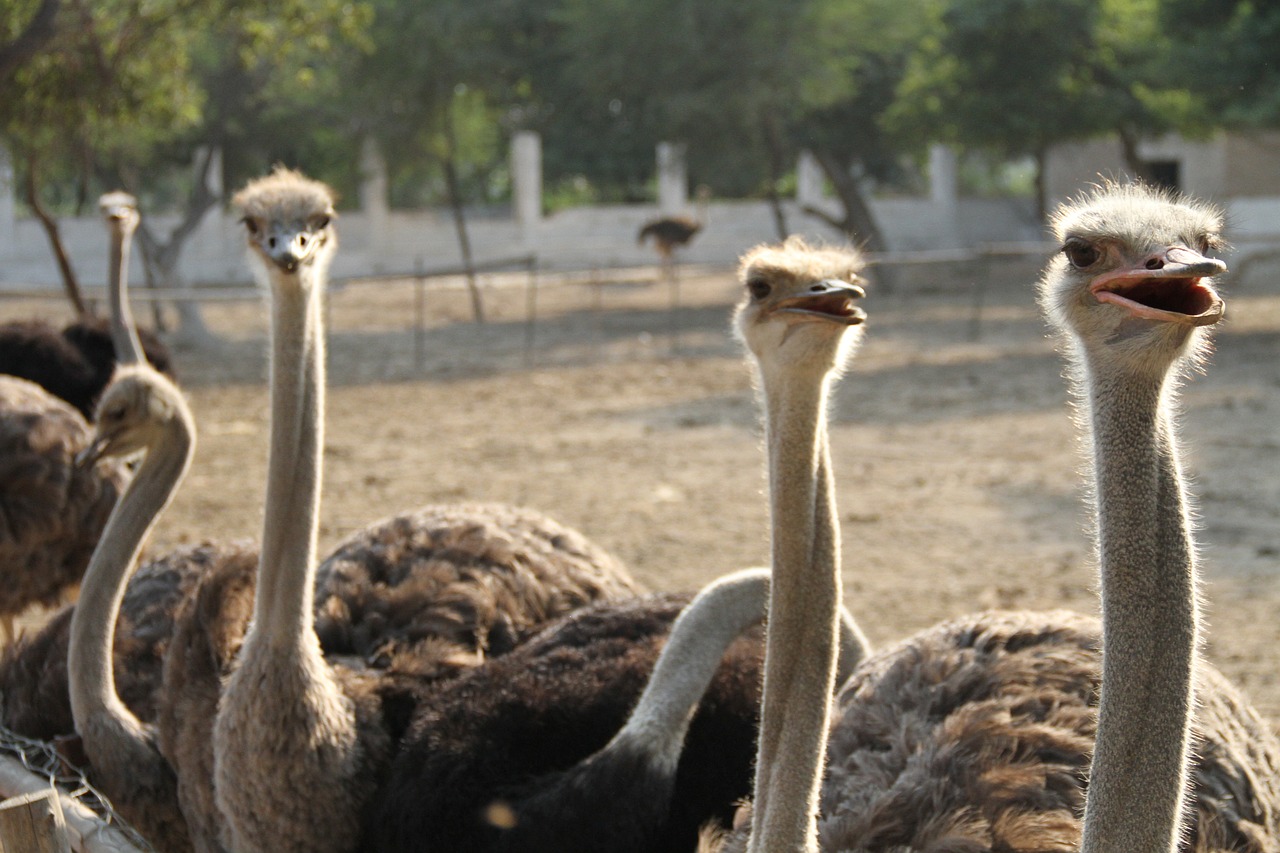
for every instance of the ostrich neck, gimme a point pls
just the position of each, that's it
(89, 656)
(804, 618)
(283, 602)
(722, 611)
(124, 334)
(1148, 578)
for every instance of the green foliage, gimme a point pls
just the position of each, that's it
(1226, 53)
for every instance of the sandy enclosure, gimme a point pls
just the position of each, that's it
(956, 460)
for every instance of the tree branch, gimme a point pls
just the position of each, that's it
(38, 32)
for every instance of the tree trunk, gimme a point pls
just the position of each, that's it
(162, 259)
(858, 222)
(773, 142)
(69, 281)
(1132, 159)
(454, 188)
(1042, 187)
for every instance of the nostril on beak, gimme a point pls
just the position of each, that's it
(1155, 263)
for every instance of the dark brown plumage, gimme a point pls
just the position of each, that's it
(51, 510)
(33, 672)
(413, 599)
(669, 233)
(494, 760)
(73, 363)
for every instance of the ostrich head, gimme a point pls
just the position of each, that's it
(120, 210)
(289, 219)
(137, 407)
(1132, 280)
(799, 303)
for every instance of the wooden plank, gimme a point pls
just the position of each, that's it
(33, 823)
(88, 832)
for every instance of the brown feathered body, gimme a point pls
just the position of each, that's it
(669, 233)
(73, 363)
(51, 511)
(497, 759)
(400, 606)
(33, 673)
(976, 735)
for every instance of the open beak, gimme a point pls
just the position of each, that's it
(829, 299)
(1169, 287)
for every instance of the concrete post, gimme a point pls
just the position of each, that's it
(944, 194)
(811, 181)
(8, 205)
(673, 179)
(373, 196)
(526, 179)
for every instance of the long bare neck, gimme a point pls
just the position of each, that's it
(89, 658)
(804, 618)
(1149, 605)
(282, 608)
(124, 334)
(722, 611)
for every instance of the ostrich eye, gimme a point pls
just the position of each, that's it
(1081, 253)
(759, 288)
(320, 222)
(251, 225)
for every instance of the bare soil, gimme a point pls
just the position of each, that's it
(957, 462)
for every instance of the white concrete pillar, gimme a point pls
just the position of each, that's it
(373, 179)
(811, 181)
(8, 205)
(374, 204)
(944, 195)
(526, 179)
(673, 178)
(944, 176)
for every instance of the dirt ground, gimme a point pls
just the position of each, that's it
(956, 459)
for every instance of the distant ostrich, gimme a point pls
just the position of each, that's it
(976, 734)
(75, 363)
(298, 741)
(670, 233)
(484, 765)
(140, 410)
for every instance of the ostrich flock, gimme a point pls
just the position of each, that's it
(479, 677)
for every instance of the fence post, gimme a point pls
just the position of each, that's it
(33, 823)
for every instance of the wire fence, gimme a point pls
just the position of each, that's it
(41, 760)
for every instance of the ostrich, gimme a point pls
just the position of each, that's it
(75, 363)
(670, 233)
(51, 509)
(140, 410)
(484, 764)
(976, 734)
(297, 742)
(54, 510)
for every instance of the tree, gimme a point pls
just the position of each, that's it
(30, 35)
(1018, 76)
(123, 89)
(1225, 52)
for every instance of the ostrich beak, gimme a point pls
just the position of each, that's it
(1170, 286)
(829, 299)
(89, 457)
